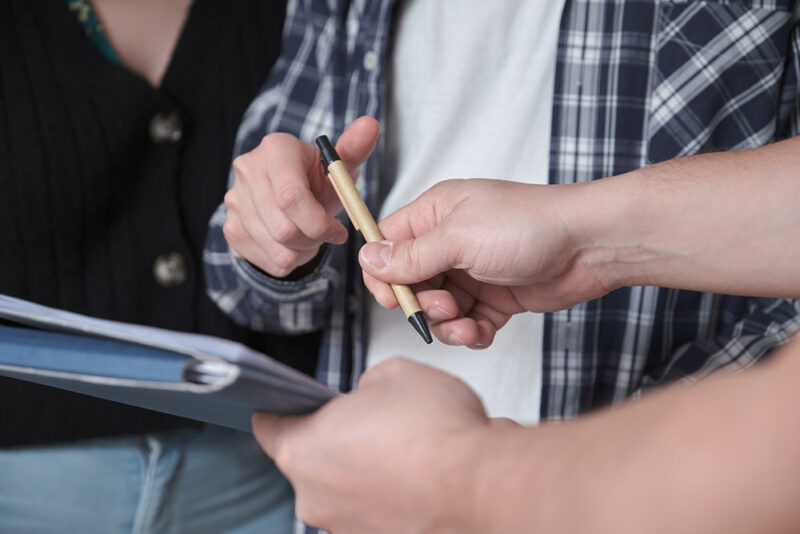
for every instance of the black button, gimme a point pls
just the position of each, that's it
(166, 128)
(169, 269)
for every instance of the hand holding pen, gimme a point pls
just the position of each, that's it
(479, 251)
(282, 207)
(363, 222)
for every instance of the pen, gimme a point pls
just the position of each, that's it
(364, 222)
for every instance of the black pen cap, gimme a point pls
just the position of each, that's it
(326, 151)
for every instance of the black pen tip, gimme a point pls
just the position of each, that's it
(326, 150)
(419, 323)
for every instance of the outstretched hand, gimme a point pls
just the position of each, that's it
(281, 207)
(480, 251)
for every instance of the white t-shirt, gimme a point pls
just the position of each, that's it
(471, 93)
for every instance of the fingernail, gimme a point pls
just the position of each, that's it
(439, 314)
(377, 255)
(453, 339)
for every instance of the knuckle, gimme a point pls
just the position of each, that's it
(318, 231)
(394, 366)
(286, 458)
(283, 231)
(384, 371)
(240, 166)
(267, 146)
(279, 272)
(232, 231)
(286, 258)
(277, 145)
(289, 197)
(231, 200)
(269, 141)
(366, 378)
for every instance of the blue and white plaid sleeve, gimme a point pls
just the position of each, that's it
(297, 99)
(256, 300)
(768, 324)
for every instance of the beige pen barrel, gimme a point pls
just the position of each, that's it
(364, 222)
(405, 297)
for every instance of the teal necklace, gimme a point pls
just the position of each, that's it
(94, 29)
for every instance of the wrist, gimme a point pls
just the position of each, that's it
(506, 481)
(462, 494)
(610, 229)
(484, 484)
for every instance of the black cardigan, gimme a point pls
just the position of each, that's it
(88, 200)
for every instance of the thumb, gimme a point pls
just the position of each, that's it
(354, 146)
(411, 261)
(357, 142)
(270, 430)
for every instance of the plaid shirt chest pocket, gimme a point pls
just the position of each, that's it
(717, 73)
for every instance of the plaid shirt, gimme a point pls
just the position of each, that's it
(637, 82)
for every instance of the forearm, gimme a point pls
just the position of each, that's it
(726, 222)
(719, 457)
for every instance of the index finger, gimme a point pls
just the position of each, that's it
(417, 217)
(292, 192)
(405, 223)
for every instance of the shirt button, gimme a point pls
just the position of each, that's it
(166, 128)
(169, 270)
(370, 61)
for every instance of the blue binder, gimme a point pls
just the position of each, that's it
(200, 377)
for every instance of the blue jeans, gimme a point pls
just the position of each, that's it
(210, 480)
